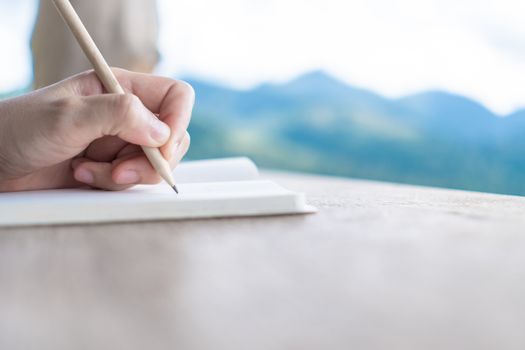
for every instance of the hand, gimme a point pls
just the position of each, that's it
(71, 134)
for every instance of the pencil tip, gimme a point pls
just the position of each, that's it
(175, 189)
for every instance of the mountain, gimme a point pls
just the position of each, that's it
(455, 116)
(317, 123)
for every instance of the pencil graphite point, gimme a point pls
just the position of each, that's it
(175, 189)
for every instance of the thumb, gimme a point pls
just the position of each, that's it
(119, 115)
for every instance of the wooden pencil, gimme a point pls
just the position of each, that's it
(108, 79)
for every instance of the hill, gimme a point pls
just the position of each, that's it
(319, 124)
(316, 123)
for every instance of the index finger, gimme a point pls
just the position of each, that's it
(171, 99)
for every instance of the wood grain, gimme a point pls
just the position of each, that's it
(382, 266)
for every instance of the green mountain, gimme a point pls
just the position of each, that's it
(319, 124)
(316, 123)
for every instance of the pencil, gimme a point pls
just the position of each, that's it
(108, 79)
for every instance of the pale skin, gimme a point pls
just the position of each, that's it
(73, 134)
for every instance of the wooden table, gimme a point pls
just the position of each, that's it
(381, 266)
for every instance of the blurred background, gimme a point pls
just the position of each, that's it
(425, 92)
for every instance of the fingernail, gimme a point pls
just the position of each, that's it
(160, 131)
(128, 177)
(84, 175)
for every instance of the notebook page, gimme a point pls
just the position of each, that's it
(216, 170)
(220, 199)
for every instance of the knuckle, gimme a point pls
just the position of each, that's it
(64, 104)
(124, 103)
(88, 83)
(87, 75)
(123, 77)
(61, 119)
(185, 90)
(119, 72)
(124, 108)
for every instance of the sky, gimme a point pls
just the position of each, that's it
(394, 47)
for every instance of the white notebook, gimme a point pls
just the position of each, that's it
(210, 188)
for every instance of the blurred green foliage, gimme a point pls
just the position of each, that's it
(318, 124)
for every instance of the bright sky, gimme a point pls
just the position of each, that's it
(395, 47)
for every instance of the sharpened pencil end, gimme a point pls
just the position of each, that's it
(175, 189)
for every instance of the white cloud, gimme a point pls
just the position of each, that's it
(395, 47)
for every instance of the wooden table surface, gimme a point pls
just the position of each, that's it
(381, 266)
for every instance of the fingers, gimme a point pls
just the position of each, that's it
(105, 149)
(130, 169)
(176, 112)
(118, 115)
(154, 90)
(95, 174)
(139, 164)
(137, 169)
(172, 100)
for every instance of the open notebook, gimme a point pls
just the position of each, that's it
(209, 188)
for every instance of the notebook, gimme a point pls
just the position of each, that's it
(208, 189)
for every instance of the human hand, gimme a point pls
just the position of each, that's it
(71, 134)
